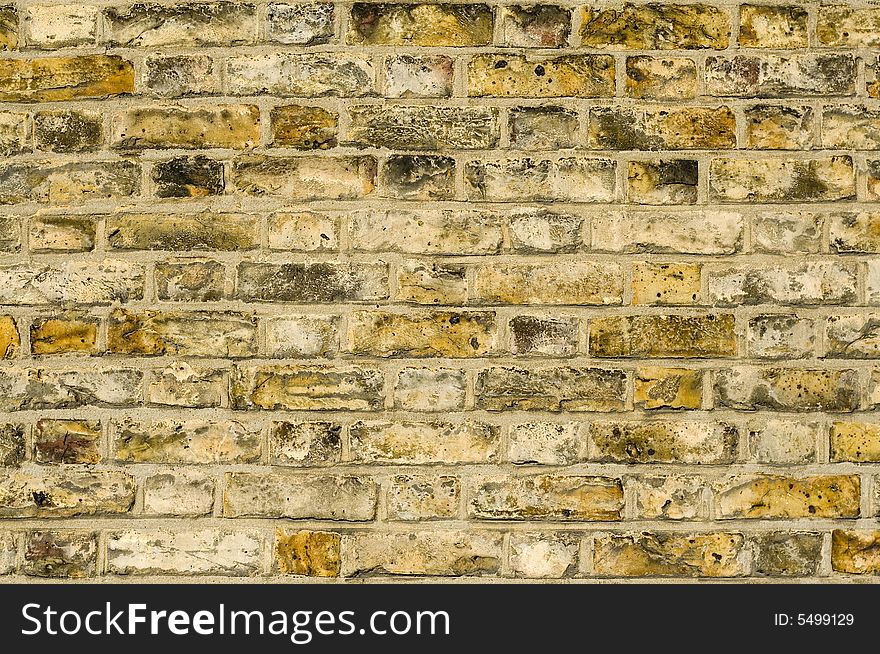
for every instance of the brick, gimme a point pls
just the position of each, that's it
(423, 76)
(65, 492)
(423, 497)
(542, 128)
(787, 232)
(781, 441)
(190, 552)
(854, 232)
(787, 389)
(67, 441)
(668, 128)
(541, 230)
(424, 442)
(306, 388)
(546, 443)
(185, 441)
(191, 280)
(537, 336)
(181, 492)
(63, 233)
(506, 75)
(780, 76)
(660, 78)
(221, 126)
(435, 334)
(440, 553)
(305, 444)
(8, 28)
(320, 497)
(668, 388)
(692, 232)
(301, 178)
(423, 127)
(418, 177)
(779, 127)
(308, 283)
(550, 389)
(812, 283)
(425, 282)
(9, 338)
(763, 26)
(573, 179)
(14, 133)
(300, 75)
(544, 555)
(873, 180)
(185, 24)
(421, 25)
(655, 26)
(657, 181)
(840, 25)
(776, 336)
(52, 79)
(60, 335)
(427, 389)
(855, 441)
(303, 128)
(872, 78)
(547, 497)
(182, 333)
(188, 177)
(668, 498)
(307, 553)
(852, 337)
(61, 553)
(855, 552)
(539, 26)
(8, 555)
(186, 386)
(576, 283)
(785, 554)
(66, 388)
(872, 283)
(700, 336)
(854, 127)
(426, 232)
(85, 282)
(768, 496)
(712, 555)
(300, 24)
(666, 283)
(308, 231)
(663, 442)
(12, 445)
(68, 183)
(302, 336)
(68, 131)
(178, 76)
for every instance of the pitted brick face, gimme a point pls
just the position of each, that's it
(468, 288)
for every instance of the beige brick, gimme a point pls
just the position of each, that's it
(182, 232)
(421, 24)
(423, 497)
(662, 128)
(842, 25)
(48, 27)
(427, 282)
(182, 24)
(579, 283)
(539, 26)
(767, 496)
(424, 442)
(544, 555)
(305, 178)
(64, 492)
(423, 127)
(671, 555)
(430, 389)
(542, 128)
(426, 232)
(781, 75)
(546, 443)
(782, 441)
(787, 232)
(67, 441)
(663, 442)
(763, 26)
(550, 389)
(573, 179)
(655, 26)
(855, 552)
(656, 78)
(301, 336)
(666, 283)
(306, 23)
(547, 497)
(305, 444)
(700, 336)
(657, 181)
(185, 441)
(308, 231)
(204, 334)
(812, 283)
(61, 553)
(540, 336)
(855, 441)
(788, 554)
(787, 389)
(418, 76)
(507, 75)
(435, 334)
(187, 386)
(67, 388)
(221, 126)
(779, 127)
(778, 336)
(68, 183)
(668, 388)
(62, 234)
(668, 498)
(179, 492)
(300, 75)
(781, 180)
(692, 232)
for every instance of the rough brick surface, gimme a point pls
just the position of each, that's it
(312, 289)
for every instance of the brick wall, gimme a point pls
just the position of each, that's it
(343, 290)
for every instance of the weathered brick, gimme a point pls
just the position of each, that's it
(777, 336)
(819, 282)
(873, 180)
(854, 127)
(666, 283)
(81, 282)
(418, 177)
(787, 232)
(779, 127)
(855, 232)
(659, 181)
(542, 128)
(671, 555)
(538, 26)
(537, 336)
(841, 25)
(428, 389)
(546, 443)
(61, 553)
(547, 497)
(179, 492)
(308, 231)
(855, 552)
(14, 133)
(420, 24)
(544, 555)
(308, 23)
(669, 128)
(189, 279)
(306, 387)
(68, 131)
(852, 337)
(68, 183)
(423, 76)
(176, 76)
(182, 24)
(508, 75)
(307, 553)
(63, 233)
(550, 389)
(182, 333)
(663, 442)
(9, 36)
(308, 283)
(435, 334)
(42, 388)
(762, 26)
(12, 445)
(221, 126)
(191, 552)
(781, 441)
(9, 338)
(67, 441)
(423, 127)
(186, 386)
(303, 128)
(656, 26)
(542, 230)
(692, 232)
(48, 27)
(768, 496)
(303, 75)
(185, 441)
(872, 283)
(668, 388)
(787, 389)
(297, 496)
(423, 497)
(655, 78)
(855, 441)
(573, 282)
(188, 177)
(425, 282)
(64, 492)
(668, 498)
(573, 179)
(788, 554)
(424, 442)
(301, 336)
(305, 444)
(779, 76)
(8, 554)
(52, 79)
(426, 232)
(686, 336)
(305, 178)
